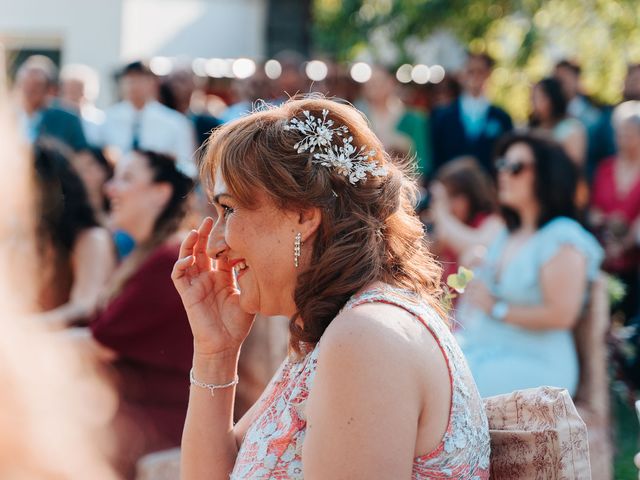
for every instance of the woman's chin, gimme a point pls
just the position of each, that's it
(506, 201)
(116, 222)
(248, 303)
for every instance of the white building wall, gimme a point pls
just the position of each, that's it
(86, 31)
(198, 28)
(106, 33)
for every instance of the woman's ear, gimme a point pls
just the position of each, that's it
(308, 222)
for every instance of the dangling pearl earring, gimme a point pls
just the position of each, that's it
(296, 250)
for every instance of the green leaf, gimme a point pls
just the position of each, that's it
(616, 289)
(459, 281)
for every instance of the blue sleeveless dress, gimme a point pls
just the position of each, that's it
(505, 357)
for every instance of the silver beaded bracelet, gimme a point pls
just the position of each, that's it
(211, 386)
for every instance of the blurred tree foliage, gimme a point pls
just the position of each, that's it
(526, 37)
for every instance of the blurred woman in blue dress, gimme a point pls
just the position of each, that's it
(518, 314)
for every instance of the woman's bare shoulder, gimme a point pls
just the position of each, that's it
(95, 243)
(375, 332)
(96, 237)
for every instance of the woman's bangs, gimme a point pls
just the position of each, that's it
(229, 153)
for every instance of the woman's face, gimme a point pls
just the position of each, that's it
(134, 197)
(540, 103)
(516, 177)
(258, 243)
(628, 137)
(459, 206)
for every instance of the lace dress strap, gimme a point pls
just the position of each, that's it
(406, 300)
(464, 450)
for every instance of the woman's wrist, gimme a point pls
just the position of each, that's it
(217, 368)
(500, 310)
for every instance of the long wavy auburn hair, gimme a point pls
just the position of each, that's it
(368, 232)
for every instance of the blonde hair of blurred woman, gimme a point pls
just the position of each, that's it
(53, 405)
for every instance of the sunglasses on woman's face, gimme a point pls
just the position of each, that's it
(512, 168)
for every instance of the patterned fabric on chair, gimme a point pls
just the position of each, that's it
(537, 434)
(592, 397)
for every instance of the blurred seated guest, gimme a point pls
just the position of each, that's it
(402, 131)
(77, 254)
(40, 116)
(519, 312)
(615, 204)
(142, 330)
(141, 122)
(95, 170)
(471, 125)
(595, 119)
(79, 89)
(579, 105)
(549, 114)
(463, 210)
(176, 91)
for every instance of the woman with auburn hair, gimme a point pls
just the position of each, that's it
(316, 223)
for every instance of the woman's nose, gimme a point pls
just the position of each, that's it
(217, 246)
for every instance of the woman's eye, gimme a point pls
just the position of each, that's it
(226, 210)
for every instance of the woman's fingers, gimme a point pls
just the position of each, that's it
(181, 266)
(203, 235)
(200, 249)
(186, 247)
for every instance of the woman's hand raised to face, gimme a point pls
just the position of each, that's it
(210, 296)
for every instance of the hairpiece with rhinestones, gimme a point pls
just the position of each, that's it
(332, 147)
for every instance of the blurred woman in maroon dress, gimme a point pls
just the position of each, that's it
(142, 331)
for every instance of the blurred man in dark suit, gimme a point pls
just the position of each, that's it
(471, 125)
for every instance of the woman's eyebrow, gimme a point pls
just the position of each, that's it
(216, 198)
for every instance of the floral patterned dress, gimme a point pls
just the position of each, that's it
(272, 447)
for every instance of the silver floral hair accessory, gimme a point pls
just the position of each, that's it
(323, 140)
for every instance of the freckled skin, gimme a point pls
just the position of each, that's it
(264, 237)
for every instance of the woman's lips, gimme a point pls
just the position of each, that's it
(239, 268)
